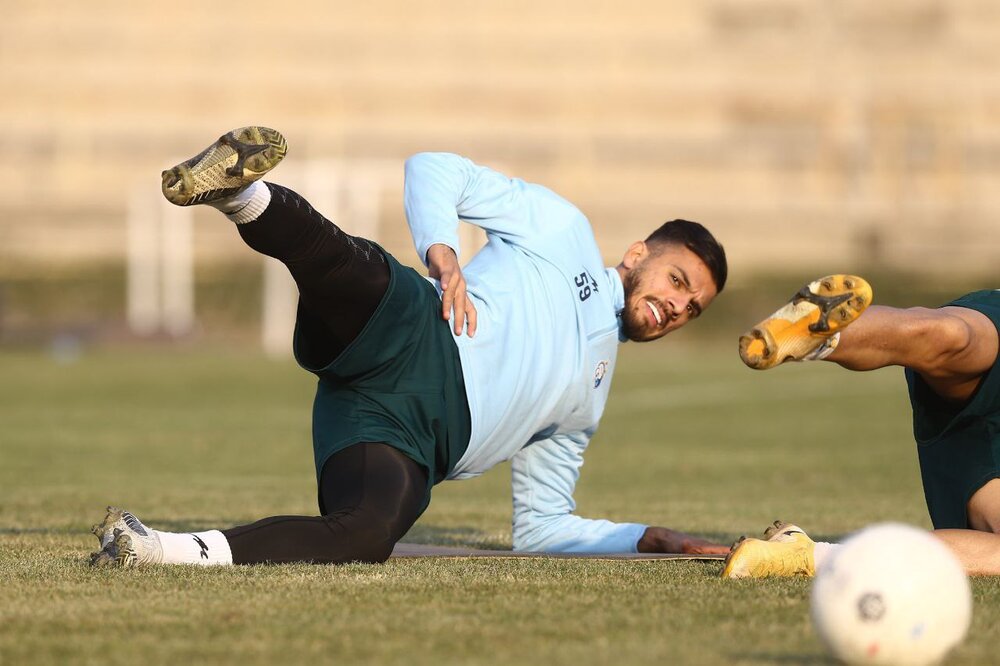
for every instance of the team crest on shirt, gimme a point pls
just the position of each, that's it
(599, 372)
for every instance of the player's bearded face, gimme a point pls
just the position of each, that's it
(636, 322)
(664, 291)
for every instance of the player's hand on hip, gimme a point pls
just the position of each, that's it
(442, 264)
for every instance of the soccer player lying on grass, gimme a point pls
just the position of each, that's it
(951, 367)
(405, 399)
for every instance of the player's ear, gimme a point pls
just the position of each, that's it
(635, 254)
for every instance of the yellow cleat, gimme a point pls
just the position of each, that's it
(785, 551)
(808, 326)
(226, 167)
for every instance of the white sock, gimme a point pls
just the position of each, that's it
(825, 349)
(245, 206)
(205, 548)
(823, 552)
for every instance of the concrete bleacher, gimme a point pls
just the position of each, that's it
(873, 125)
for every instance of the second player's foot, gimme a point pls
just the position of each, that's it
(226, 167)
(785, 551)
(808, 325)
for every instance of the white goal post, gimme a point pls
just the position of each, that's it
(159, 265)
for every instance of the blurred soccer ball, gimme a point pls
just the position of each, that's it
(891, 594)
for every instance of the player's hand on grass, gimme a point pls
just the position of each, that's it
(442, 264)
(662, 540)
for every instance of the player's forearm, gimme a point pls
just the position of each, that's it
(567, 533)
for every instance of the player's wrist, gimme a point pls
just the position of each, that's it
(440, 250)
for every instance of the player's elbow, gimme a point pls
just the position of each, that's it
(416, 160)
(422, 163)
(414, 165)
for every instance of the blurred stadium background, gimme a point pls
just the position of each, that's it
(810, 136)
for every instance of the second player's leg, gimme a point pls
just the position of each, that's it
(950, 347)
(979, 548)
(979, 552)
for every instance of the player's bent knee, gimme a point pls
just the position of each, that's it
(941, 337)
(360, 536)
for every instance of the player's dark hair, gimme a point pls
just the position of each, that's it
(699, 240)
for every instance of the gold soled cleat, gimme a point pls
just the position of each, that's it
(229, 165)
(810, 320)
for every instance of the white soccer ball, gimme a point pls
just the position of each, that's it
(891, 594)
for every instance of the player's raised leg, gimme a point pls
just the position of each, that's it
(341, 278)
(950, 347)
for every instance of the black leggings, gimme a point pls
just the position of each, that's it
(370, 493)
(341, 278)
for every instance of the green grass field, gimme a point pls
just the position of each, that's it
(194, 440)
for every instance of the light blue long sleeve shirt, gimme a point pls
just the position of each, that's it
(538, 371)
